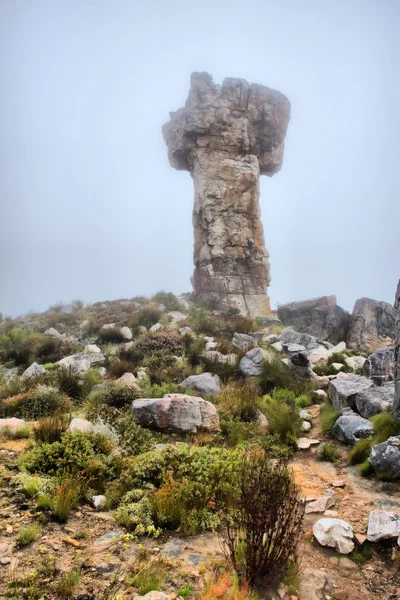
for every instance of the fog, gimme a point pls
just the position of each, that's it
(90, 207)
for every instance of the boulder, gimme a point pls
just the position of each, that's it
(343, 390)
(372, 325)
(53, 332)
(176, 413)
(176, 316)
(304, 443)
(33, 371)
(126, 333)
(305, 415)
(156, 327)
(298, 361)
(243, 341)
(305, 426)
(320, 317)
(379, 366)
(375, 399)
(92, 349)
(319, 396)
(278, 346)
(385, 458)
(13, 424)
(217, 357)
(383, 525)
(320, 505)
(355, 363)
(187, 331)
(310, 342)
(127, 380)
(108, 326)
(206, 384)
(350, 427)
(251, 363)
(337, 366)
(80, 425)
(81, 362)
(268, 321)
(334, 533)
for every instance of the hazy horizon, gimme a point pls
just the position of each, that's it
(91, 208)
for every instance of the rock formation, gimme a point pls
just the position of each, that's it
(320, 317)
(372, 325)
(227, 136)
(396, 407)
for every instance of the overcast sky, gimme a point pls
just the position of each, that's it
(90, 207)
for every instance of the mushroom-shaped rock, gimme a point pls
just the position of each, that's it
(383, 525)
(33, 371)
(350, 427)
(252, 361)
(205, 383)
(334, 533)
(227, 136)
(176, 413)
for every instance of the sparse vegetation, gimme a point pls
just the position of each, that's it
(28, 534)
(328, 416)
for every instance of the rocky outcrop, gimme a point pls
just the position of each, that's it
(176, 413)
(372, 325)
(350, 427)
(379, 366)
(320, 317)
(343, 390)
(227, 136)
(385, 458)
(396, 407)
(375, 399)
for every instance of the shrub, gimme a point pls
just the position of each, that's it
(148, 316)
(51, 428)
(241, 399)
(275, 374)
(114, 396)
(133, 438)
(66, 585)
(168, 341)
(262, 529)
(162, 365)
(328, 416)
(328, 452)
(66, 498)
(111, 335)
(69, 383)
(28, 534)
(33, 485)
(360, 452)
(44, 502)
(35, 404)
(135, 512)
(149, 575)
(227, 587)
(119, 367)
(169, 300)
(155, 390)
(193, 347)
(283, 419)
(385, 426)
(15, 434)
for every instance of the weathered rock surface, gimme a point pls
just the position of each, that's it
(320, 317)
(310, 342)
(226, 136)
(13, 424)
(92, 349)
(343, 390)
(53, 332)
(176, 413)
(355, 363)
(81, 362)
(350, 427)
(375, 399)
(243, 341)
(383, 525)
(385, 458)
(33, 371)
(251, 363)
(334, 533)
(372, 325)
(396, 407)
(206, 384)
(218, 357)
(379, 366)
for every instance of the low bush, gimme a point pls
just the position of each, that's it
(50, 429)
(66, 497)
(360, 452)
(328, 416)
(227, 587)
(28, 534)
(241, 399)
(167, 341)
(262, 526)
(276, 374)
(148, 316)
(67, 583)
(385, 426)
(148, 574)
(23, 347)
(283, 419)
(155, 390)
(114, 396)
(328, 452)
(35, 404)
(15, 434)
(33, 485)
(111, 335)
(169, 300)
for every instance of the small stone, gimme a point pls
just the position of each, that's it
(338, 483)
(360, 538)
(331, 513)
(9, 529)
(5, 560)
(320, 505)
(337, 366)
(72, 542)
(305, 426)
(347, 564)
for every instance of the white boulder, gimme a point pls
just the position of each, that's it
(334, 533)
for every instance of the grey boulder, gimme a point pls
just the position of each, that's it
(251, 363)
(310, 342)
(334, 533)
(372, 325)
(33, 371)
(243, 341)
(375, 399)
(217, 357)
(206, 384)
(383, 525)
(79, 363)
(385, 458)
(176, 413)
(350, 427)
(379, 366)
(320, 317)
(343, 390)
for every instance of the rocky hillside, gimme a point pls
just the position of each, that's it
(152, 448)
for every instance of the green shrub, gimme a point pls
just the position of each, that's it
(365, 468)
(35, 404)
(15, 434)
(24, 348)
(111, 335)
(114, 396)
(328, 416)
(241, 399)
(66, 585)
(360, 452)
(169, 300)
(361, 554)
(167, 341)
(50, 429)
(44, 502)
(302, 401)
(33, 485)
(66, 497)
(148, 316)
(276, 374)
(328, 452)
(385, 426)
(193, 347)
(28, 534)
(283, 419)
(149, 575)
(155, 390)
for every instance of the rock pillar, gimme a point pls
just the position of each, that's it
(226, 137)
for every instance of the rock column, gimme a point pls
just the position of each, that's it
(226, 137)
